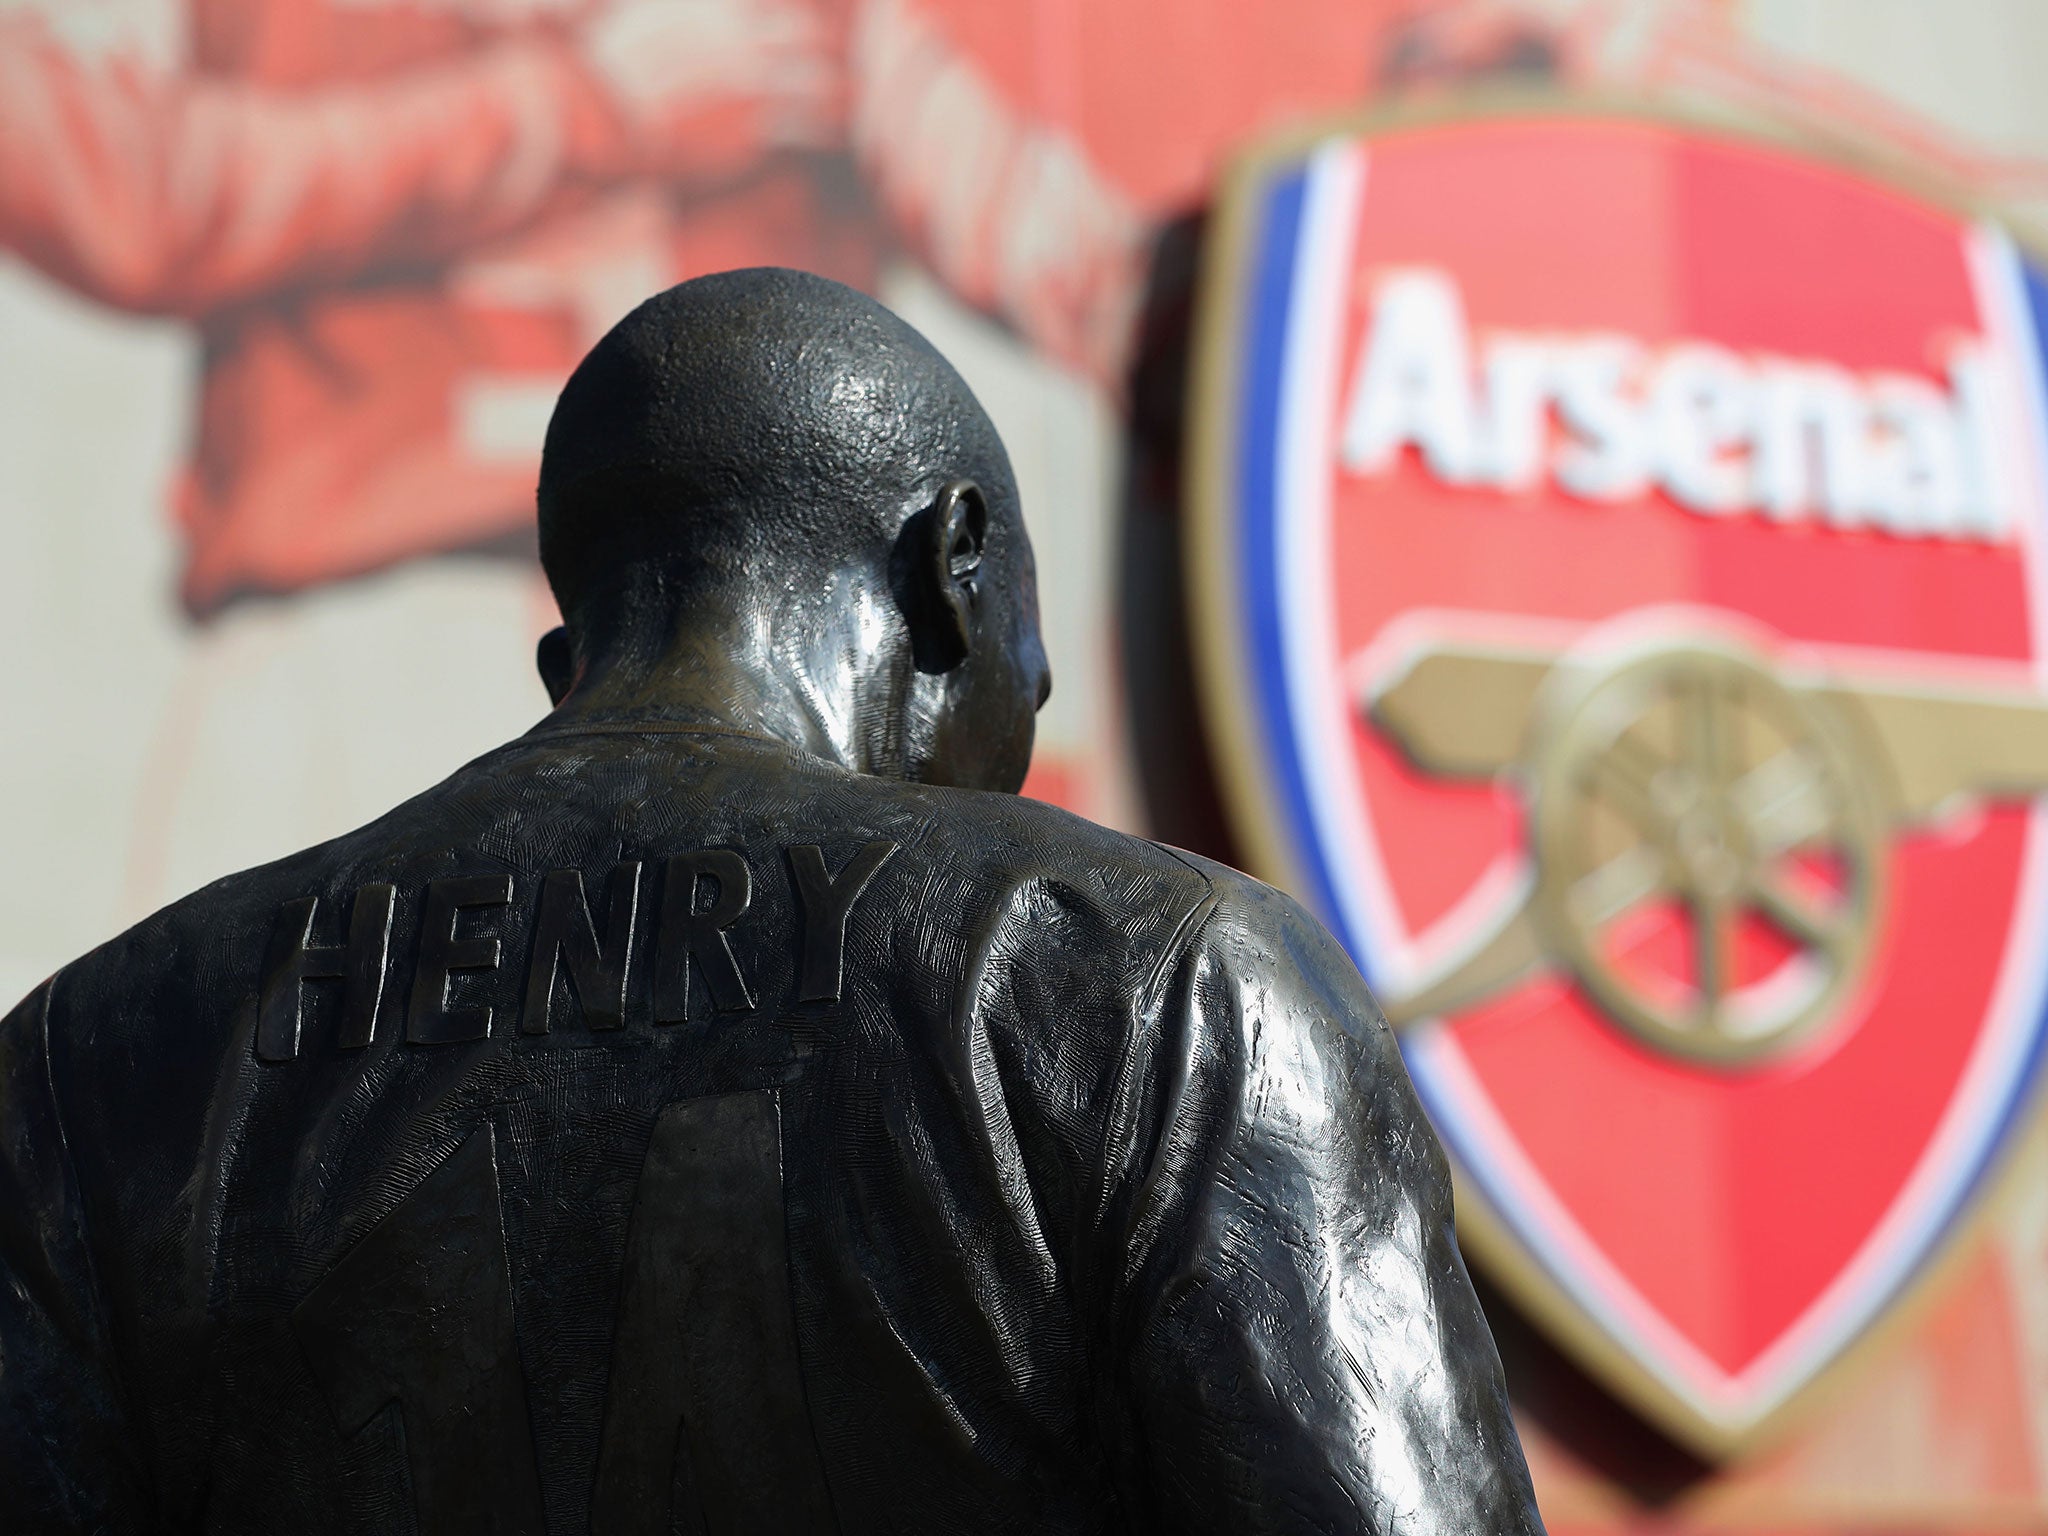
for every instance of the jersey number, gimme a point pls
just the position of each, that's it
(705, 1426)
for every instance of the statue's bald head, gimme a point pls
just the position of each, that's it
(768, 442)
(741, 416)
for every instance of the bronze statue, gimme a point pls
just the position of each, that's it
(728, 1107)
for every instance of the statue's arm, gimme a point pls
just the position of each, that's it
(1307, 1353)
(66, 1461)
(172, 192)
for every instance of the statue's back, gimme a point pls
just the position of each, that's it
(683, 1148)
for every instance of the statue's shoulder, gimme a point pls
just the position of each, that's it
(1013, 837)
(179, 948)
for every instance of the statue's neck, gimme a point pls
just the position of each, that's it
(824, 689)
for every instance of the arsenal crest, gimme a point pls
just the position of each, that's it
(1622, 555)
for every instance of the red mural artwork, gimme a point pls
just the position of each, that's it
(397, 223)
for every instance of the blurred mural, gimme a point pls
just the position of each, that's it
(287, 288)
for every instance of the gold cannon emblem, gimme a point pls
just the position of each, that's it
(1689, 768)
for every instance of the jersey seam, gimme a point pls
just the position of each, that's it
(1185, 932)
(102, 1314)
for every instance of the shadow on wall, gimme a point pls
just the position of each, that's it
(1174, 766)
(1575, 1411)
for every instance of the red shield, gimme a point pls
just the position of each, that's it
(1621, 565)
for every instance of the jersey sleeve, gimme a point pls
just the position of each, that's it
(1009, 210)
(1305, 1351)
(178, 193)
(66, 1462)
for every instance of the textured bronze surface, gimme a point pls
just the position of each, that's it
(728, 1107)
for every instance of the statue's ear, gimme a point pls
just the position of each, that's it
(557, 663)
(948, 564)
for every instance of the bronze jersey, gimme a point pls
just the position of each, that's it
(654, 1129)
